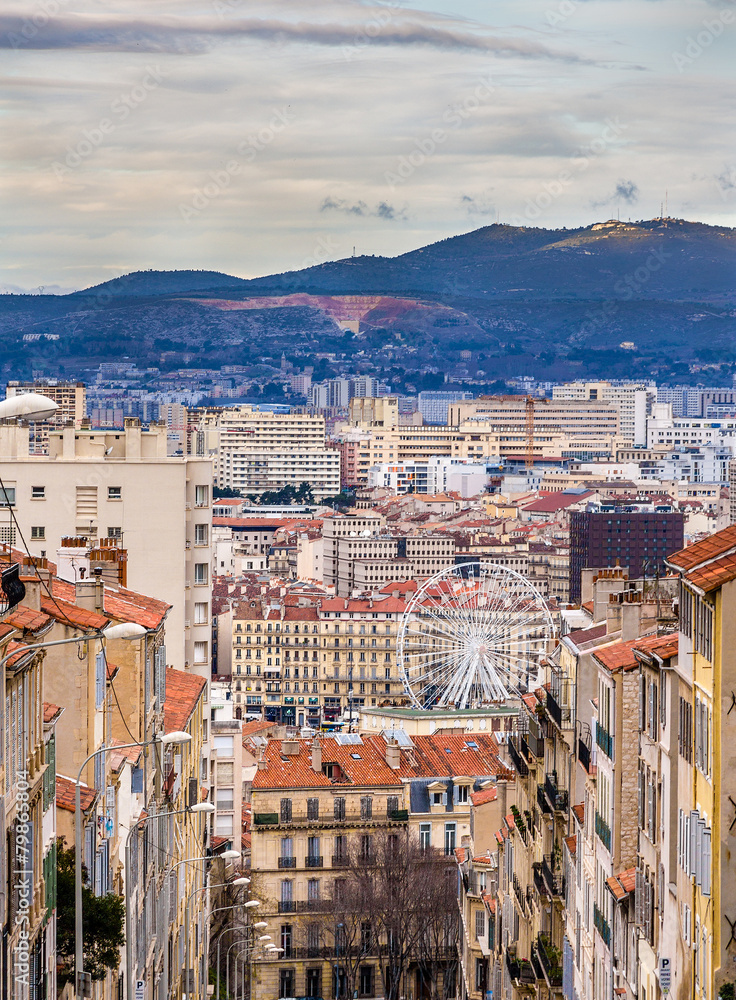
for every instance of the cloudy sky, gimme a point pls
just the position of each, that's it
(253, 137)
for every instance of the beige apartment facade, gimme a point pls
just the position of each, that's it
(71, 399)
(121, 485)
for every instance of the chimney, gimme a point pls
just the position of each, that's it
(630, 620)
(501, 789)
(316, 756)
(393, 754)
(261, 763)
(90, 593)
(290, 748)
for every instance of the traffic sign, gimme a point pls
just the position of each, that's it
(140, 989)
(665, 975)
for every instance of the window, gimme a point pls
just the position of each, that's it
(7, 496)
(392, 805)
(285, 811)
(365, 988)
(313, 889)
(450, 837)
(314, 982)
(224, 745)
(462, 793)
(425, 836)
(38, 531)
(339, 808)
(366, 937)
(115, 532)
(225, 772)
(480, 924)
(114, 493)
(313, 809)
(225, 799)
(201, 613)
(200, 574)
(286, 940)
(366, 807)
(437, 798)
(286, 983)
(341, 847)
(200, 652)
(202, 499)
(201, 536)
(366, 847)
(38, 492)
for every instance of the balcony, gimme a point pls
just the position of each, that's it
(532, 747)
(340, 861)
(550, 960)
(604, 740)
(554, 710)
(519, 892)
(287, 862)
(556, 797)
(314, 861)
(266, 819)
(584, 755)
(398, 815)
(602, 925)
(553, 877)
(287, 906)
(517, 760)
(539, 884)
(603, 830)
(542, 800)
(521, 971)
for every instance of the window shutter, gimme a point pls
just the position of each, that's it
(639, 898)
(663, 699)
(706, 863)
(699, 852)
(160, 675)
(99, 679)
(642, 702)
(641, 800)
(693, 841)
(655, 713)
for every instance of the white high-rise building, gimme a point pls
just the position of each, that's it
(633, 399)
(258, 450)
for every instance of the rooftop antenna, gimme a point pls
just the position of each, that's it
(353, 251)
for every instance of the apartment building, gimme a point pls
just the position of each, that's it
(308, 665)
(434, 405)
(97, 485)
(437, 475)
(257, 450)
(633, 399)
(70, 397)
(320, 806)
(670, 433)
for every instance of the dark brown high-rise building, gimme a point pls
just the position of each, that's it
(636, 539)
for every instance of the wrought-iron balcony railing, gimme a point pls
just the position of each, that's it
(287, 862)
(553, 877)
(601, 925)
(556, 797)
(584, 755)
(542, 800)
(604, 740)
(603, 830)
(522, 768)
(539, 884)
(549, 958)
(314, 861)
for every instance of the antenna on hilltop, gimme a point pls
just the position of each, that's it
(353, 251)
(665, 204)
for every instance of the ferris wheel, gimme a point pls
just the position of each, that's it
(472, 635)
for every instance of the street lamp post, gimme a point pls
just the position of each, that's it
(227, 855)
(199, 807)
(220, 936)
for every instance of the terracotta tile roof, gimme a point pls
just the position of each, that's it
(112, 670)
(665, 646)
(713, 574)
(712, 547)
(403, 587)
(24, 617)
(579, 813)
(387, 605)
(588, 606)
(618, 656)
(485, 795)
(50, 711)
(65, 611)
(66, 794)
(121, 604)
(623, 884)
(572, 844)
(256, 726)
(131, 754)
(15, 652)
(301, 614)
(509, 820)
(368, 766)
(460, 854)
(582, 635)
(183, 691)
(557, 501)
(453, 756)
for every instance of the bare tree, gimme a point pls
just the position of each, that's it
(394, 904)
